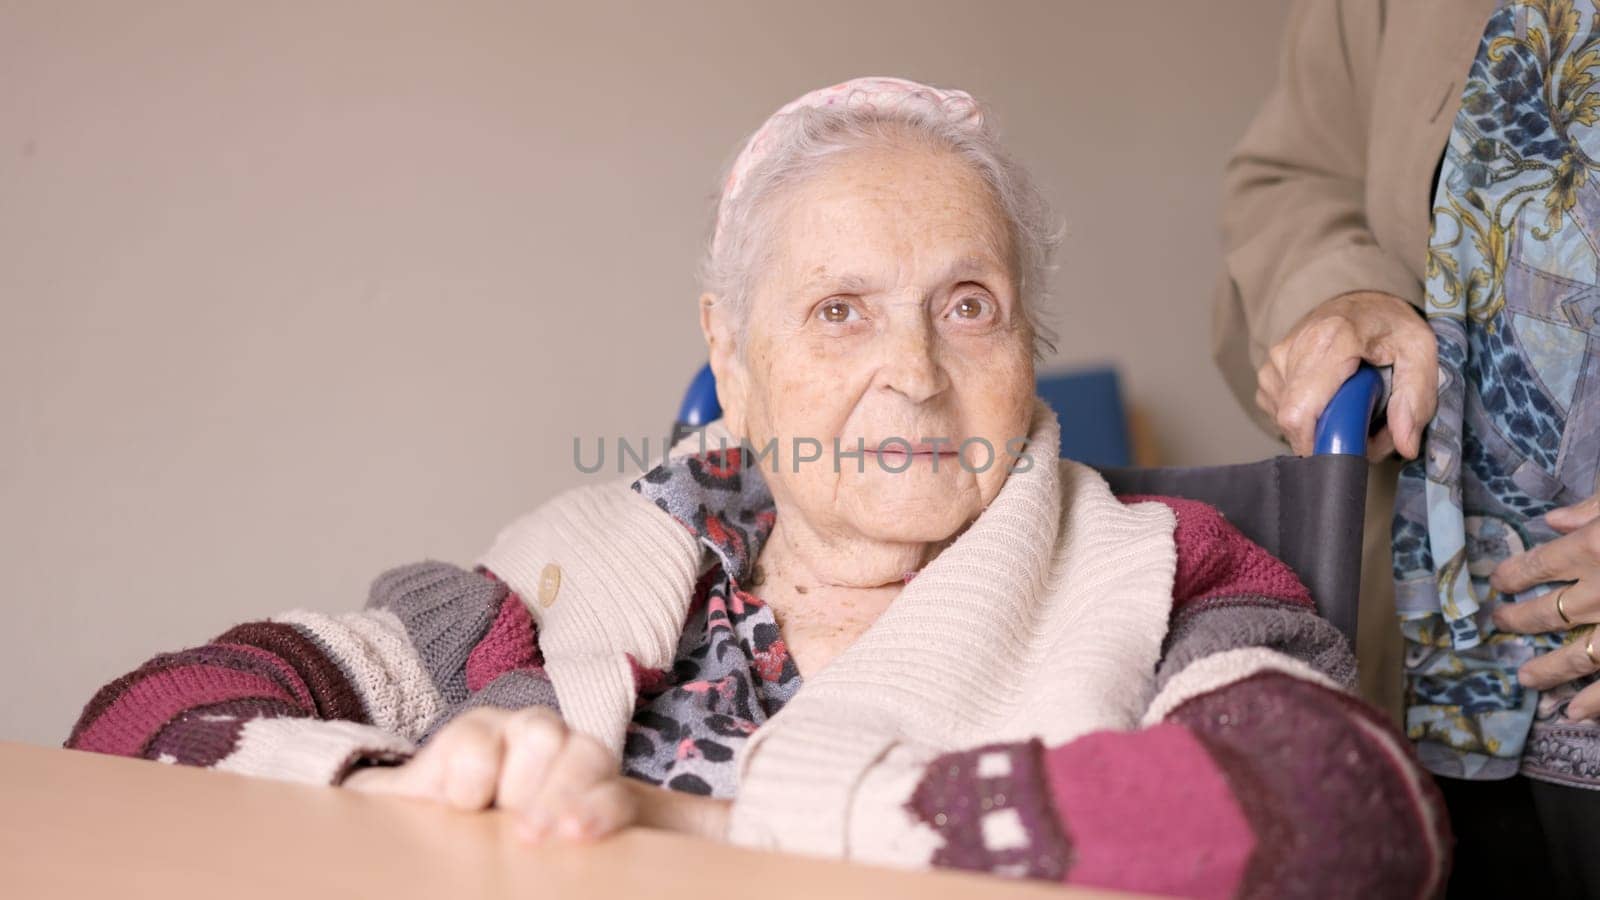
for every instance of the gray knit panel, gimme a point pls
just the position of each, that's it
(517, 689)
(446, 611)
(1257, 622)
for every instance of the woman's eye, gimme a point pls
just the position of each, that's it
(970, 308)
(836, 311)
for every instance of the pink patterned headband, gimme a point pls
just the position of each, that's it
(957, 107)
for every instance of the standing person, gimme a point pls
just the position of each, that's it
(1417, 193)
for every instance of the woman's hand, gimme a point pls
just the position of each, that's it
(1305, 369)
(1574, 557)
(553, 780)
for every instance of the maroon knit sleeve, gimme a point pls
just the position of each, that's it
(188, 706)
(1270, 784)
(460, 630)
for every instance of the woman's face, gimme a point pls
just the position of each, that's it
(888, 310)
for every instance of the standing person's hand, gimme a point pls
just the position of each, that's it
(1305, 369)
(1575, 558)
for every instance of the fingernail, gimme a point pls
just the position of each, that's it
(1524, 679)
(574, 827)
(533, 827)
(1563, 514)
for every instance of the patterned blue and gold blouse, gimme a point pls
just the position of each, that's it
(1513, 296)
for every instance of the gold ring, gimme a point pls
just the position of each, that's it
(1561, 611)
(1588, 650)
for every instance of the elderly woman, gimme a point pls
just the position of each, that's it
(928, 642)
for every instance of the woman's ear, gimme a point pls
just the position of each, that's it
(721, 333)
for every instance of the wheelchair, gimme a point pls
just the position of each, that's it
(1306, 511)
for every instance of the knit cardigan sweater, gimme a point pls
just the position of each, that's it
(1040, 648)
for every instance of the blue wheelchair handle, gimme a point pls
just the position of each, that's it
(1341, 429)
(1346, 423)
(700, 406)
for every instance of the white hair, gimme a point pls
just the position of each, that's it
(801, 143)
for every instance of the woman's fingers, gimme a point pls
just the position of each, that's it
(1269, 385)
(1587, 704)
(1380, 445)
(581, 764)
(596, 812)
(1306, 368)
(458, 767)
(1568, 519)
(470, 751)
(1567, 558)
(1542, 614)
(555, 782)
(1321, 356)
(533, 740)
(1574, 558)
(1558, 666)
(1414, 389)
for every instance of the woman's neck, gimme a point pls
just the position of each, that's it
(825, 591)
(843, 562)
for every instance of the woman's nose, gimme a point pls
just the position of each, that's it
(911, 360)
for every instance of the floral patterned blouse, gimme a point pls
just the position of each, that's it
(1513, 297)
(732, 671)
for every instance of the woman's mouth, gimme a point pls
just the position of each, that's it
(898, 451)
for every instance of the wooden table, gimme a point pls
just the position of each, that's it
(84, 825)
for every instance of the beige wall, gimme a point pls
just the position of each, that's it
(290, 293)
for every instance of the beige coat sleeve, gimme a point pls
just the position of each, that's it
(1294, 222)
